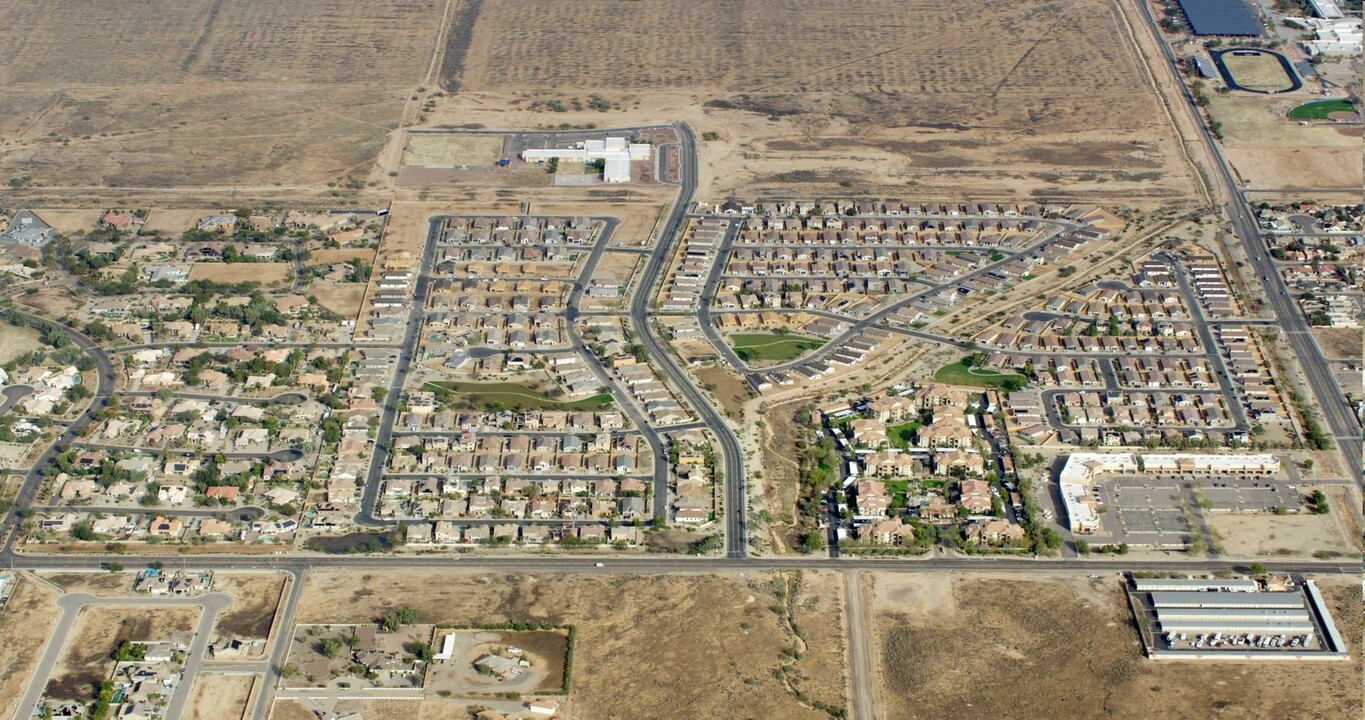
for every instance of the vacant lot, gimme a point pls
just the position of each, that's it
(874, 93)
(731, 390)
(220, 696)
(469, 395)
(24, 627)
(1257, 71)
(254, 599)
(1265, 535)
(645, 646)
(102, 584)
(771, 347)
(1069, 647)
(85, 659)
(264, 273)
(452, 150)
(15, 340)
(1273, 153)
(1339, 343)
(207, 92)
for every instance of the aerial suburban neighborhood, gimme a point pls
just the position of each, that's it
(501, 359)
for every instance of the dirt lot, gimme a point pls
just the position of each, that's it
(101, 584)
(16, 340)
(369, 709)
(69, 222)
(255, 597)
(340, 255)
(1340, 343)
(24, 627)
(1271, 152)
(220, 696)
(85, 660)
(264, 273)
(1069, 647)
(730, 389)
(452, 150)
(1264, 535)
(781, 483)
(645, 646)
(873, 94)
(213, 93)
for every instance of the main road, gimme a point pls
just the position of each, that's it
(732, 458)
(1331, 400)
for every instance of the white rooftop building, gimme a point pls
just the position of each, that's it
(1334, 37)
(615, 152)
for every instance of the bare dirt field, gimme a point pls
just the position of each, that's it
(1272, 152)
(645, 646)
(344, 299)
(101, 584)
(220, 696)
(1340, 343)
(16, 340)
(339, 255)
(69, 222)
(804, 95)
(265, 273)
(452, 150)
(55, 301)
(1264, 535)
(369, 709)
(211, 92)
(24, 627)
(174, 222)
(85, 659)
(730, 389)
(255, 596)
(1068, 649)
(781, 479)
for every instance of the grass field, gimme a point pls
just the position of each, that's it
(1257, 71)
(514, 396)
(959, 374)
(902, 435)
(772, 347)
(1321, 109)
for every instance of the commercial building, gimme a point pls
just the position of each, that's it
(1335, 37)
(616, 154)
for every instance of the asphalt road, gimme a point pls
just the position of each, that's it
(732, 458)
(1201, 326)
(623, 397)
(28, 490)
(1336, 412)
(71, 607)
(393, 398)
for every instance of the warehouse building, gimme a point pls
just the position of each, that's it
(1220, 18)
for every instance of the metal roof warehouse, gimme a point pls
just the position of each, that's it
(1250, 600)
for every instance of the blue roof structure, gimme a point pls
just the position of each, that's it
(1220, 18)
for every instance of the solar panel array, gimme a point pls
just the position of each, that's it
(1220, 18)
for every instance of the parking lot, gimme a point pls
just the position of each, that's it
(1145, 511)
(1155, 510)
(1247, 494)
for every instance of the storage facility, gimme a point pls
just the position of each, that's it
(1189, 584)
(1220, 18)
(1242, 600)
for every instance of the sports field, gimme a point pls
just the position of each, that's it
(1257, 71)
(960, 374)
(513, 396)
(1321, 110)
(772, 347)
